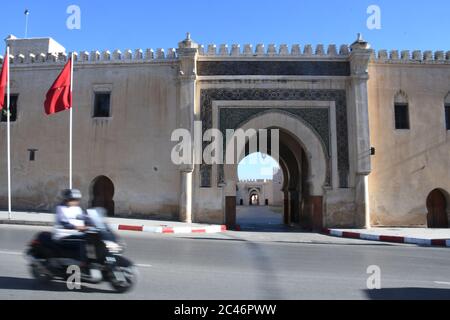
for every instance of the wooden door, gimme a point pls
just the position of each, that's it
(103, 194)
(437, 210)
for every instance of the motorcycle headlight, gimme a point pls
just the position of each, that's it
(113, 247)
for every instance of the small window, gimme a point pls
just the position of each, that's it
(401, 110)
(13, 110)
(102, 107)
(401, 116)
(32, 154)
(447, 116)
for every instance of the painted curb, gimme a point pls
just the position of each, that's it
(391, 239)
(26, 223)
(170, 230)
(121, 227)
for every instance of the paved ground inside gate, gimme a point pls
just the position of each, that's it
(259, 218)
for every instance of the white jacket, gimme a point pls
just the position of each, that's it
(67, 220)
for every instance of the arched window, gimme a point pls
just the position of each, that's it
(447, 111)
(401, 109)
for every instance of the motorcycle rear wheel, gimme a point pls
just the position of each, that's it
(39, 274)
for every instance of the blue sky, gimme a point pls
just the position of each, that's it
(405, 24)
(257, 166)
(141, 24)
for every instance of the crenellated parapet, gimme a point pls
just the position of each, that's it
(411, 57)
(96, 56)
(255, 181)
(272, 50)
(237, 51)
(11, 58)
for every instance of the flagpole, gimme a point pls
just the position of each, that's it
(8, 116)
(27, 12)
(71, 126)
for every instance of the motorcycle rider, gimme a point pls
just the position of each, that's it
(70, 224)
(95, 248)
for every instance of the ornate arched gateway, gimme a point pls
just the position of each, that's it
(319, 104)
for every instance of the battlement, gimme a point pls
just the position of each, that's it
(105, 56)
(255, 181)
(272, 50)
(408, 57)
(212, 50)
(223, 51)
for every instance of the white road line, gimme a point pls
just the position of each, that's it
(11, 253)
(144, 266)
(442, 283)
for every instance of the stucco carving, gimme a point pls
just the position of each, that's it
(339, 96)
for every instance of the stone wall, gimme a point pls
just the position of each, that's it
(132, 147)
(154, 92)
(408, 164)
(264, 188)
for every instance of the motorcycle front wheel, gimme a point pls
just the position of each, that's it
(123, 279)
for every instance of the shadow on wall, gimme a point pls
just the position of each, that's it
(409, 294)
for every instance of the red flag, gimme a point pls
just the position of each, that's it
(59, 97)
(3, 81)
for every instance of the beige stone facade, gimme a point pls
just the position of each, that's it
(409, 164)
(331, 107)
(259, 192)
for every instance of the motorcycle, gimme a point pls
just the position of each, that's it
(49, 261)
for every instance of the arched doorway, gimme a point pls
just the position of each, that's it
(256, 174)
(304, 161)
(102, 194)
(437, 210)
(254, 199)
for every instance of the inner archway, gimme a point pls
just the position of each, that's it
(259, 191)
(254, 199)
(254, 196)
(304, 163)
(102, 194)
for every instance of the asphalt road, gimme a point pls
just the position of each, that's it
(231, 266)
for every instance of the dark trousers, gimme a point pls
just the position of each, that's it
(74, 247)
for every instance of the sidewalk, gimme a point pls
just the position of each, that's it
(118, 224)
(417, 236)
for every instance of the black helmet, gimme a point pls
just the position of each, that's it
(72, 194)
